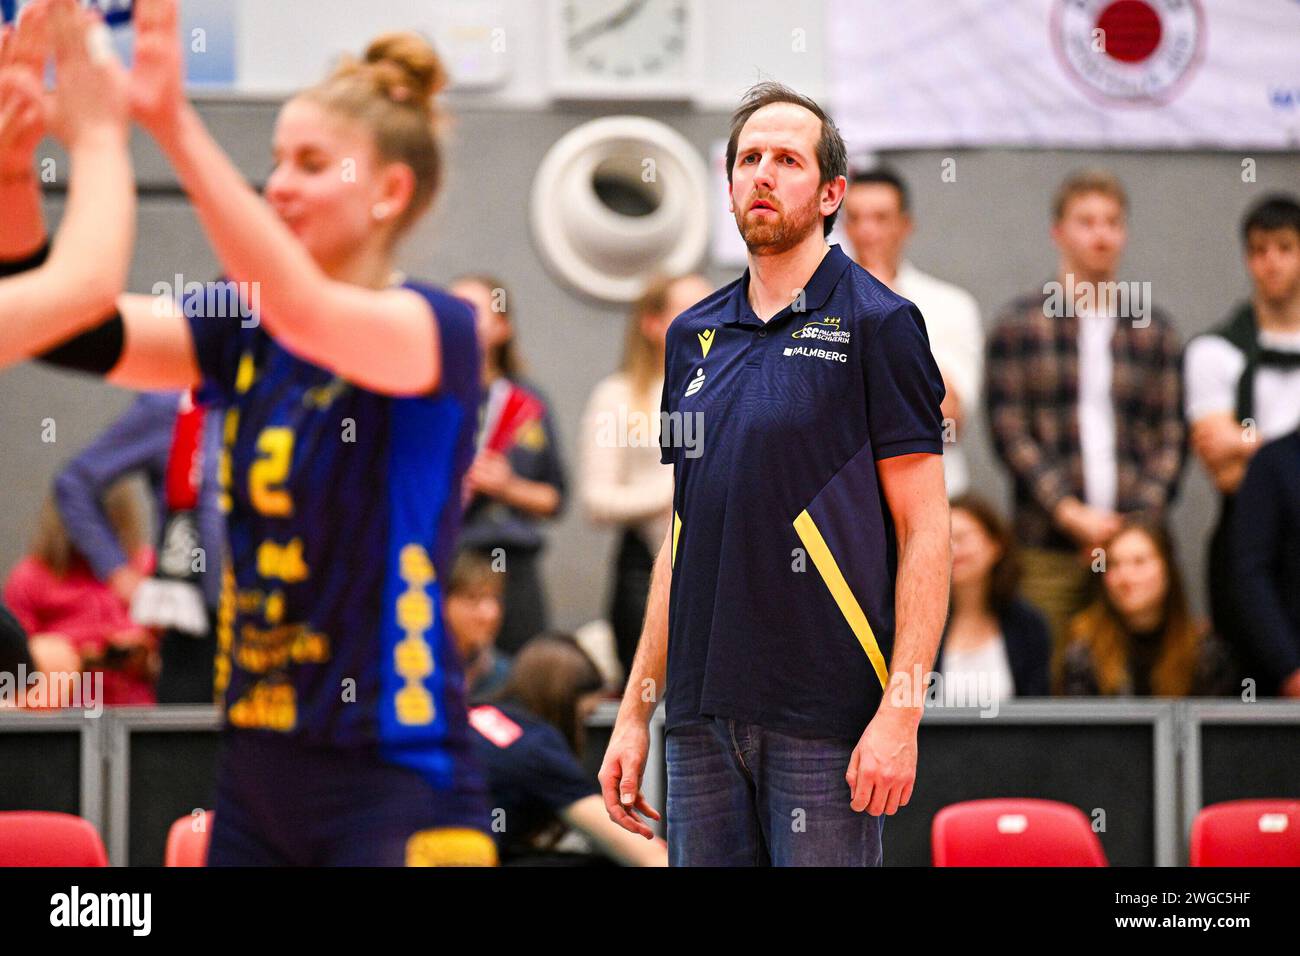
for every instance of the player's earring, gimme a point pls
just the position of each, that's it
(381, 211)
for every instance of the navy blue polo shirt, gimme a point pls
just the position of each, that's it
(781, 611)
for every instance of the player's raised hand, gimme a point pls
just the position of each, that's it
(157, 76)
(22, 120)
(24, 107)
(90, 94)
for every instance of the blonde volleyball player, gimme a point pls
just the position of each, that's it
(351, 399)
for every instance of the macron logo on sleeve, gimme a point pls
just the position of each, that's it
(706, 340)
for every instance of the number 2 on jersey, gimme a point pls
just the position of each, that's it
(266, 476)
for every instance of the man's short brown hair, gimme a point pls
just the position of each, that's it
(1087, 181)
(832, 154)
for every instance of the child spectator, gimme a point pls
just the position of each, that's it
(473, 613)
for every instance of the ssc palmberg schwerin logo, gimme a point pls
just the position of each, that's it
(1129, 52)
(825, 330)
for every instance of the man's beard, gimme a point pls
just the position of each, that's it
(771, 236)
(1279, 301)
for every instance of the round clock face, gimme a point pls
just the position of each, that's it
(618, 42)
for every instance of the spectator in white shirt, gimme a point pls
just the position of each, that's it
(623, 484)
(878, 222)
(1243, 390)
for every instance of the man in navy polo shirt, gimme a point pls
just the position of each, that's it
(806, 570)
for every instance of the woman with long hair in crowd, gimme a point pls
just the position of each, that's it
(995, 645)
(517, 481)
(623, 484)
(1138, 637)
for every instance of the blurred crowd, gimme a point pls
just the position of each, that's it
(1092, 403)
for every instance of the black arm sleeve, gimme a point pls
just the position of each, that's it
(96, 352)
(34, 261)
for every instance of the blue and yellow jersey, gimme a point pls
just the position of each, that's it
(342, 508)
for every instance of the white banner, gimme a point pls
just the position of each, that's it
(1078, 73)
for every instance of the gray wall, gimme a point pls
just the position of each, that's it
(986, 231)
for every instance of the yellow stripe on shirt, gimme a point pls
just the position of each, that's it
(677, 530)
(827, 567)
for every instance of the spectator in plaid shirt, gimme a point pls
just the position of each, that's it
(1084, 398)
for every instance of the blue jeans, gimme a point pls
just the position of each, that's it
(742, 795)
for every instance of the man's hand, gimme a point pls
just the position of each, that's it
(620, 776)
(1217, 437)
(882, 769)
(1090, 527)
(1220, 442)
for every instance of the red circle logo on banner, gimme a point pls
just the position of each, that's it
(1129, 52)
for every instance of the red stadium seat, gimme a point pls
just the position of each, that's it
(1247, 833)
(187, 846)
(1014, 833)
(37, 838)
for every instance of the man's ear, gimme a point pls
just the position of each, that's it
(833, 195)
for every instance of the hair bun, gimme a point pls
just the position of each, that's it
(406, 69)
